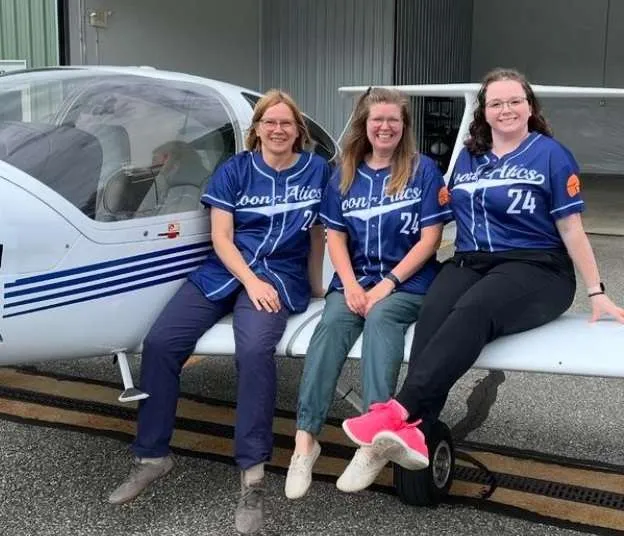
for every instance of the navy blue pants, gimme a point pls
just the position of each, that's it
(169, 344)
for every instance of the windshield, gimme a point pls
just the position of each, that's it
(117, 146)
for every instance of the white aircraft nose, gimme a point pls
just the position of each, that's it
(34, 237)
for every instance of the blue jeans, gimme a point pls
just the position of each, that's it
(169, 344)
(382, 353)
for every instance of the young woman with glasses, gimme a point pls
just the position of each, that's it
(384, 211)
(265, 265)
(515, 195)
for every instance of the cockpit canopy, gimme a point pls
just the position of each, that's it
(117, 146)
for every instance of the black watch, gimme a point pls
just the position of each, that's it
(598, 292)
(393, 278)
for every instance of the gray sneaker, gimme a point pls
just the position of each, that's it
(143, 473)
(249, 515)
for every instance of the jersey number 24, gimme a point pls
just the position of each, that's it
(521, 201)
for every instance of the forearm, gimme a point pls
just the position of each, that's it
(232, 258)
(580, 250)
(339, 255)
(315, 260)
(421, 252)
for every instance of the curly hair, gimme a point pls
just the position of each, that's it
(480, 140)
(356, 144)
(271, 98)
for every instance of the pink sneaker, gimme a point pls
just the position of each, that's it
(405, 447)
(387, 416)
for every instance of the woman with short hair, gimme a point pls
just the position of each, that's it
(265, 265)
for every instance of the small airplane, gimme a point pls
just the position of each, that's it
(98, 228)
(96, 233)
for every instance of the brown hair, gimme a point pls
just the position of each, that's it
(480, 140)
(271, 98)
(356, 144)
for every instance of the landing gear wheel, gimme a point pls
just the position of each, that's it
(429, 486)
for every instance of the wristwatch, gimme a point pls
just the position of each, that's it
(597, 292)
(393, 278)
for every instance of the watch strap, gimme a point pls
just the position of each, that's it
(393, 278)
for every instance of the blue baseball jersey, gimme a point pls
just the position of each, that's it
(513, 202)
(382, 228)
(273, 212)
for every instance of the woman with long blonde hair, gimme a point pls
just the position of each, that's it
(384, 211)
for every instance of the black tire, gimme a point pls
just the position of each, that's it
(429, 486)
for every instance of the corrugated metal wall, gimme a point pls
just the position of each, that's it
(309, 49)
(433, 46)
(29, 31)
(433, 41)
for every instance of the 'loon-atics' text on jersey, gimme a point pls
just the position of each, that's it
(381, 229)
(512, 202)
(273, 212)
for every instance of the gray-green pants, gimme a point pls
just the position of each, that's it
(382, 353)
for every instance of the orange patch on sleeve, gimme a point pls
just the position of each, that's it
(443, 196)
(573, 185)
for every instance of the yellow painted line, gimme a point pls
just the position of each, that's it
(567, 510)
(459, 488)
(190, 409)
(574, 512)
(527, 468)
(183, 439)
(571, 511)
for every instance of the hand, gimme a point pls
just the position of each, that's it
(378, 292)
(601, 305)
(263, 295)
(355, 296)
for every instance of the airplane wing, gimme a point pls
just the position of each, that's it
(465, 90)
(469, 92)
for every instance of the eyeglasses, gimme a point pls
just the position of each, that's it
(499, 105)
(272, 124)
(378, 121)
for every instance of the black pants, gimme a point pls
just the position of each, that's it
(476, 298)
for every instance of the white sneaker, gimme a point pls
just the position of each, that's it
(362, 470)
(299, 475)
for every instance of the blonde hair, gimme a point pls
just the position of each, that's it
(356, 144)
(271, 98)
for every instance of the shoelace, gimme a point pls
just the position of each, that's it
(397, 422)
(364, 461)
(251, 496)
(135, 471)
(414, 427)
(301, 463)
(414, 424)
